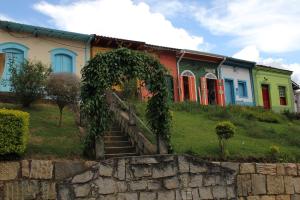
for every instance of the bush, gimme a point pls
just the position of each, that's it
(225, 130)
(64, 89)
(14, 131)
(291, 115)
(267, 116)
(28, 81)
(274, 152)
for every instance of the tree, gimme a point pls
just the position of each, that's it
(28, 81)
(64, 89)
(225, 130)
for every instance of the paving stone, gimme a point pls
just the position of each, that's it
(106, 185)
(219, 192)
(258, 184)
(166, 195)
(83, 178)
(205, 193)
(68, 169)
(41, 169)
(244, 185)
(288, 184)
(138, 185)
(291, 169)
(82, 190)
(9, 170)
(165, 171)
(265, 168)
(127, 196)
(275, 184)
(147, 196)
(171, 183)
(247, 168)
(196, 181)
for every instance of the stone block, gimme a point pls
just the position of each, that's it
(107, 197)
(138, 185)
(147, 196)
(105, 170)
(275, 184)
(296, 183)
(283, 197)
(143, 160)
(63, 169)
(219, 192)
(120, 173)
(244, 187)
(9, 170)
(84, 177)
(106, 185)
(205, 193)
(258, 184)
(231, 165)
(171, 183)
(298, 166)
(209, 180)
(184, 180)
(25, 168)
(127, 196)
(267, 197)
(121, 186)
(41, 169)
(154, 184)
(64, 192)
(139, 171)
(230, 190)
(178, 195)
(280, 169)
(253, 198)
(291, 169)
(82, 190)
(196, 181)
(265, 168)
(164, 171)
(47, 190)
(195, 194)
(197, 168)
(25, 189)
(288, 184)
(295, 197)
(247, 168)
(183, 164)
(166, 195)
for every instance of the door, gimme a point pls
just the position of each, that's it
(266, 96)
(229, 92)
(12, 56)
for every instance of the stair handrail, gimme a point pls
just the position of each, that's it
(136, 118)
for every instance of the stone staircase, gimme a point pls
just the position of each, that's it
(117, 144)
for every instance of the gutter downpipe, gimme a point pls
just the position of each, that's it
(219, 67)
(88, 47)
(178, 73)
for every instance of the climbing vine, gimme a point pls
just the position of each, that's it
(112, 68)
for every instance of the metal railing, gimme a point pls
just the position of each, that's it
(118, 103)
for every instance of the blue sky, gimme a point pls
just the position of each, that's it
(265, 31)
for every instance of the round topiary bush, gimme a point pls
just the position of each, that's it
(225, 130)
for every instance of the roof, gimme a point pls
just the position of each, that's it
(273, 69)
(201, 56)
(111, 42)
(36, 31)
(238, 63)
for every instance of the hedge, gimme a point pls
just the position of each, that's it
(14, 131)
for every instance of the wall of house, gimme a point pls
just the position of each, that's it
(199, 68)
(297, 101)
(40, 47)
(239, 74)
(274, 80)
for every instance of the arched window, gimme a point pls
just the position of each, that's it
(14, 53)
(63, 60)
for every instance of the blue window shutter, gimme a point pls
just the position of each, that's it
(63, 63)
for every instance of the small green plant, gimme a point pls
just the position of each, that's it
(274, 152)
(14, 132)
(225, 130)
(28, 81)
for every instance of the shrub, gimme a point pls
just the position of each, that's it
(225, 130)
(267, 116)
(14, 131)
(28, 81)
(64, 89)
(291, 115)
(274, 152)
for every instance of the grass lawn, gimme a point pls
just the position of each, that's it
(46, 139)
(193, 131)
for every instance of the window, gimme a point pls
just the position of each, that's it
(242, 89)
(63, 60)
(282, 95)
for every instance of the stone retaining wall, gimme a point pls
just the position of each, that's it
(160, 177)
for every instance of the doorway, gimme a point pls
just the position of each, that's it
(186, 88)
(266, 96)
(211, 91)
(229, 92)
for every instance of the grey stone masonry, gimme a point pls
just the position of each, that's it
(155, 177)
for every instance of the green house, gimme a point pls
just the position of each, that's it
(273, 88)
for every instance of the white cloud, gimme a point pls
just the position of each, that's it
(123, 19)
(5, 18)
(272, 26)
(253, 54)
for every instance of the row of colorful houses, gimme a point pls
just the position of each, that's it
(206, 78)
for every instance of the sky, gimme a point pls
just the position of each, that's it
(264, 31)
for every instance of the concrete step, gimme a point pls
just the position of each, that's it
(108, 138)
(119, 155)
(117, 143)
(119, 150)
(116, 133)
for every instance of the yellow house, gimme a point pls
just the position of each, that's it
(61, 50)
